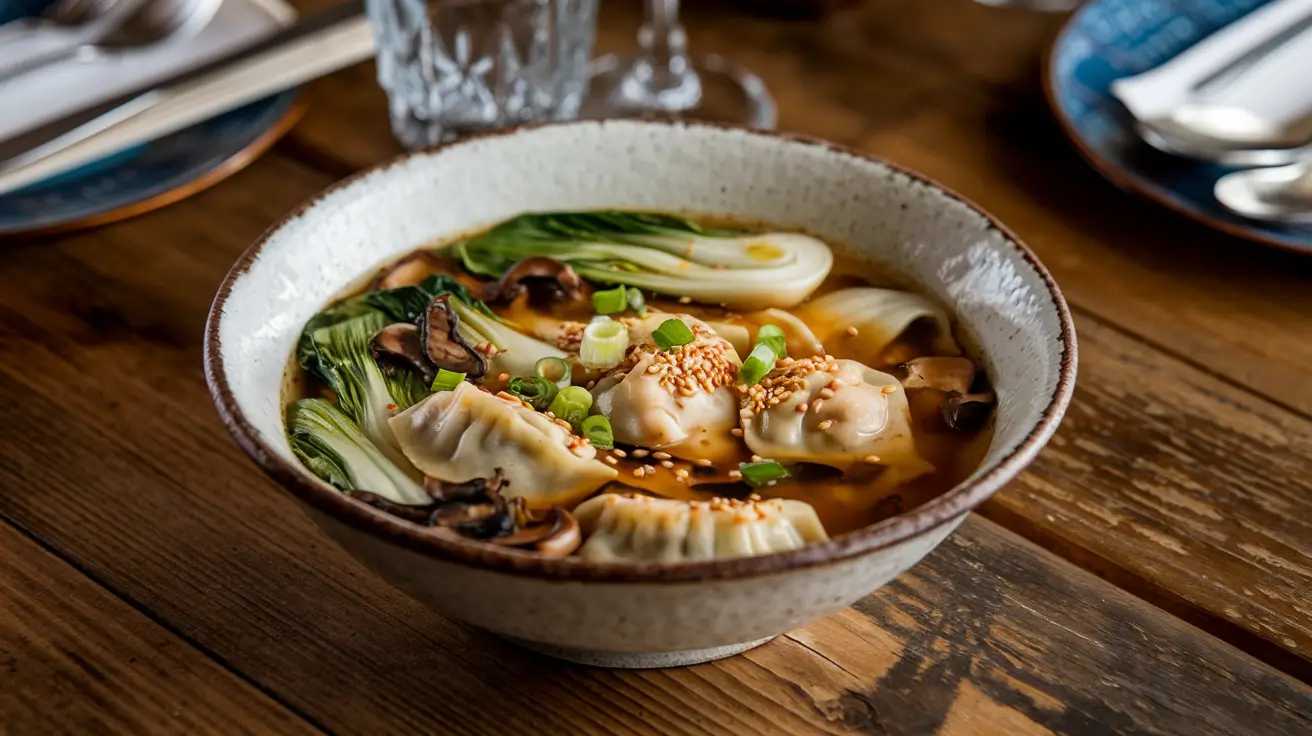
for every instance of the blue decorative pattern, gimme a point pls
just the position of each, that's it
(1109, 39)
(137, 174)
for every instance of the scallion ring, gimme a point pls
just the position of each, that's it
(611, 301)
(572, 405)
(597, 429)
(671, 334)
(555, 370)
(604, 343)
(773, 336)
(757, 365)
(636, 302)
(447, 380)
(762, 473)
(536, 390)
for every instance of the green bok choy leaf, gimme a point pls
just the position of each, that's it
(668, 255)
(334, 448)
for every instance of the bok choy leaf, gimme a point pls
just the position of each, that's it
(334, 448)
(664, 254)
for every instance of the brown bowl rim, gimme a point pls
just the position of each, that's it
(922, 519)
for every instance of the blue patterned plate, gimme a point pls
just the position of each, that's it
(149, 176)
(1109, 39)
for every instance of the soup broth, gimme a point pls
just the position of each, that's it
(948, 446)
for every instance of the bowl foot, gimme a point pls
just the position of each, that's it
(637, 660)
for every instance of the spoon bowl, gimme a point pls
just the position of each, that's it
(1279, 194)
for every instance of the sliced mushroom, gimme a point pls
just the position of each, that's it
(418, 514)
(560, 278)
(553, 533)
(440, 337)
(401, 344)
(967, 412)
(943, 374)
(485, 488)
(408, 272)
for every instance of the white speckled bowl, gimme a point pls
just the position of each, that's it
(650, 614)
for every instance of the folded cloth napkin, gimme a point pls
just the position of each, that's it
(1276, 89)
(50, 92)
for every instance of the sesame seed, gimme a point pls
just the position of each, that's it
(685, 300)
(641, 452)
(612, 460)
(590, 384)
(756, 458)
(826, 424)
(871, 459)
(736, 432)
(681, 473)
(851, 330)
(802, 407)
(653, 369)
(888, 390)
(638, 472)
(826, 393)
(735, 473)
(703, 462)
(649, 469)
(550, 415)
(617, 452)
(667, 463)
(503, 377)
(661, 455)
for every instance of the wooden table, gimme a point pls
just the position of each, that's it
(1150, 573)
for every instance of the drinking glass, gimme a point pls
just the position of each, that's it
(453, 67)
(663, 80)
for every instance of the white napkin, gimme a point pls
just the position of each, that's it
(49, 93)
(1277, 89)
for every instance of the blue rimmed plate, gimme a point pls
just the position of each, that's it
(148, 176)
(1108, 39)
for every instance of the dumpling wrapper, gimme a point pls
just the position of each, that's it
(634, 528)
(879, 315)
(646, 411)
(464, 434)
(868, 418)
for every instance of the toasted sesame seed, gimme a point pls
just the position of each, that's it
(802, 407)
(661, 455)
(826, 424)
(649, 469)
(503, 377)
(888, 390)
(703, 462)
(617, 452)
(667, 463)
(653, 369)
(815, 405)
(550, 415)
(826, 393)
(871, 459)
(756, 458)
(640, 452)
(685, 300)
(639, 472)
(735, 473)
(736, 432)
(590, 384)
(611, 460)
(681, 473)
(851, 330)
(753, 497)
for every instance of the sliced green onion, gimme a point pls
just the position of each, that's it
(611, 301)
(536, 390)
(572, 405)
(597, 430)
(762, 473)
(636, 302)
(447, 380)
(604, 343)
(553, 369)
(773, 336)
(672, 333)
(757, 365)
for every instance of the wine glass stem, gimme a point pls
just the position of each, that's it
(667, 77)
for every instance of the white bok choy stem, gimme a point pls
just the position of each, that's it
(663, 254)
(880, 316)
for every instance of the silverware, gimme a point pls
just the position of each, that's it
(92, 28)
(1227, 134)
(1280, 194)
(322, 43)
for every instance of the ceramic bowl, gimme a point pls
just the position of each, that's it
(652, 614)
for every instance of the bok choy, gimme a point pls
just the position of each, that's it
(334, 448)
(668, 255)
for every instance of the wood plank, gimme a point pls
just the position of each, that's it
(990, 629)
(75, 659)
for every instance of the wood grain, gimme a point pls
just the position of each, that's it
(75, 659)
(104, 416)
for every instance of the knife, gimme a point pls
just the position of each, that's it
(43, 141)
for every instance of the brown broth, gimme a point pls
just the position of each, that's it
(843, 505)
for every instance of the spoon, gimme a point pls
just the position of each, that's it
(1224, 135)
(87, 28)
(1282, 194)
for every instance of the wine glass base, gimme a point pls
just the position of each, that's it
(720, 91)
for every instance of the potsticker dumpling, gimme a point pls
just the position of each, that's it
(831, 412)
(635, 528)
(680, 401)
(463, 434)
